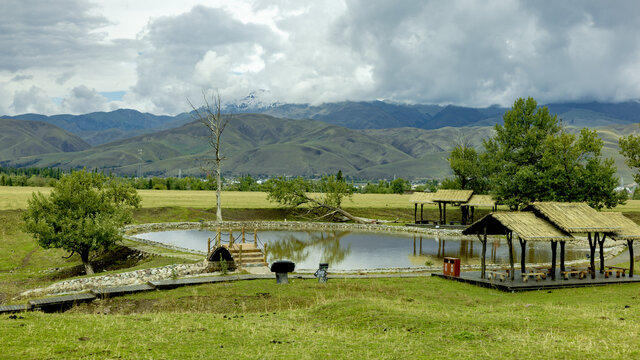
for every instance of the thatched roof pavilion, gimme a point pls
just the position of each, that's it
(421, 198)
(455, 197)
(629, 231)
(469, 208)
(574, 218)
(578, 218)
(463, 198)
(527, 225)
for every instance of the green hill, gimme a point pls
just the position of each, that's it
(258, 144)
(24, 138)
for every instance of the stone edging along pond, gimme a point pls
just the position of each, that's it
(291, 225)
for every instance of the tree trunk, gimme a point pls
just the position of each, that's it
(218, 192)
(88, 269)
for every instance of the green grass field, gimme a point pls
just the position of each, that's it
(423, 318)
(344, 319)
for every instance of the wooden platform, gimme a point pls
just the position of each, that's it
(473, 277)
(121, 290)
(59, 303)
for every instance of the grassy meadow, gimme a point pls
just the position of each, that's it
(423, 318)
(15, 197)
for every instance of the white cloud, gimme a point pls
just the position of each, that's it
(461, 52)
(81, 100)
(33, 100)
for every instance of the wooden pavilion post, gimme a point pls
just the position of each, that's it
(562, 267)
(440, 209)
(421, 212)
(592, 254)
(523, 249)
(483, 258)
(444, 213)
(632, 259)
(510, 242)
(554, 247)
(601, 245)
(415, 213)
(414, 245)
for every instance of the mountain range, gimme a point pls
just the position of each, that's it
(363, 139)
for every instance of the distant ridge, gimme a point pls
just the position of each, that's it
(263, 145)
(25, 138)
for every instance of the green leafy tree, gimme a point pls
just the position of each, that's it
(295, 193)
(630, 149)
(574, 171)
(513, 157)
(83, 214)
(399, 185)
(531, 159)
(469, 173)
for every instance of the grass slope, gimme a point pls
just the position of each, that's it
(24, 138)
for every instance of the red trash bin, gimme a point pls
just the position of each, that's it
(451, 266)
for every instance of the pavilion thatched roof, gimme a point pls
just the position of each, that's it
(526, 225)
(480, 200)
(573, 217)
(629, 230)
(422, 198)
(452, 196)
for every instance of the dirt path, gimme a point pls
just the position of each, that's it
(25, 261)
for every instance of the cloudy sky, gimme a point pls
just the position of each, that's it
(76, 56)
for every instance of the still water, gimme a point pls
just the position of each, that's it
(352, 250)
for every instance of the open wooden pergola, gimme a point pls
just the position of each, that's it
(527, 226)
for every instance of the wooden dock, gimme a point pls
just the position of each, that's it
(473, 277)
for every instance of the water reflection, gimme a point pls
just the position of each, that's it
(351, 251)
(297, 247)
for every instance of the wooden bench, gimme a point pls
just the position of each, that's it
(544, 269)
(539, 276)
(496, 275)
(581, 273)
(619, 271)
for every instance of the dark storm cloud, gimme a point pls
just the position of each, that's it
(484, 52)
(48, 33)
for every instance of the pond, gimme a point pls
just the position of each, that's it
(345, 250)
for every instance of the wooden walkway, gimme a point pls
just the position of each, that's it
(473, 277)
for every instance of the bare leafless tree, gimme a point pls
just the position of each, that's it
(209, 115)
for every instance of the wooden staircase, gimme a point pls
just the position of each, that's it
(247, 254)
